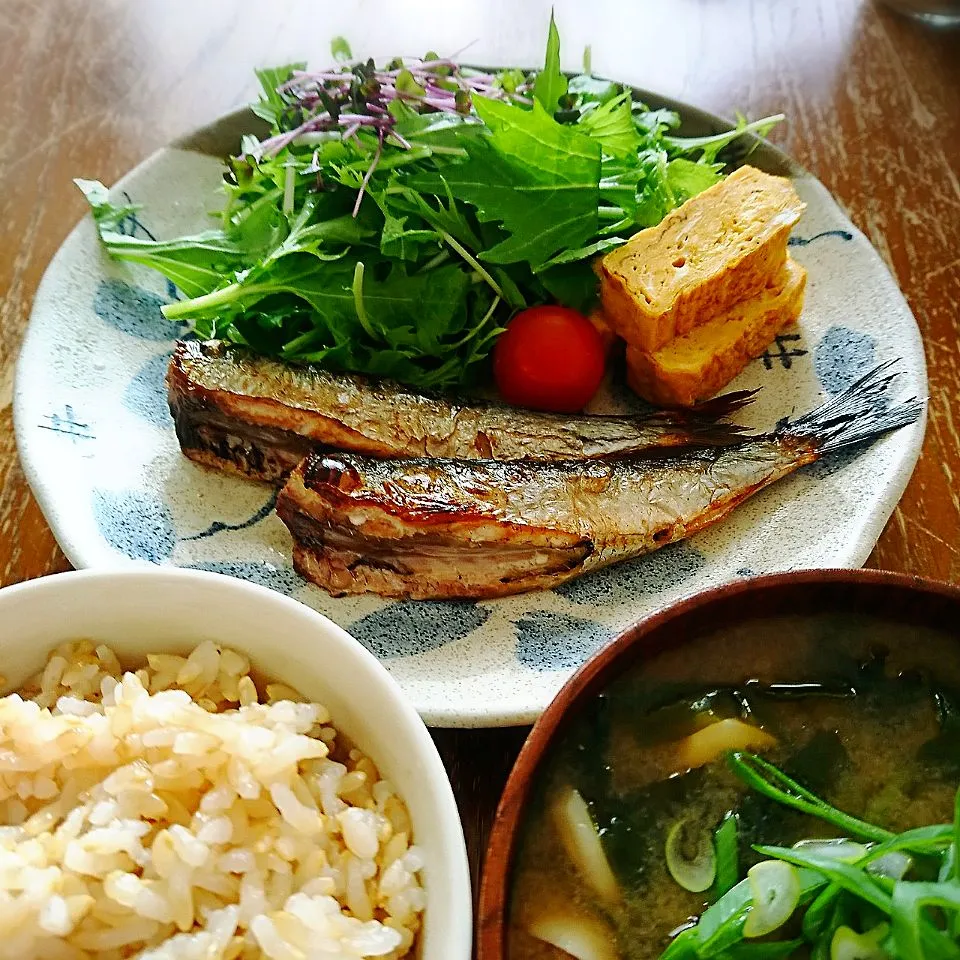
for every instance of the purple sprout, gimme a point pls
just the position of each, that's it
(347, 100)
(352, 99)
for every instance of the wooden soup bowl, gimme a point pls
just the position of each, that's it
(903, 600)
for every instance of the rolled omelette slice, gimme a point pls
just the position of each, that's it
(703, 361)
(719, 248)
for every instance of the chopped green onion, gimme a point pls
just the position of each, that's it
(721, 924)
(682, 946)
(696, 874)
(893, 865)
(765, 778)
(909, 899)
(840, 849)
(775, 892)
(847, 944)
(955, 872)
(856, 903)
(725, 842)
(845, 875)
(773, 950)
(821, 912)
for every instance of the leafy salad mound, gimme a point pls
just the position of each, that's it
(395, 217)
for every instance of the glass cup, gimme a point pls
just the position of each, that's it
(940, 13)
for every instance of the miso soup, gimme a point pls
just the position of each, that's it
(863, 712)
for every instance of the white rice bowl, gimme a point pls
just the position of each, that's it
(179, 807)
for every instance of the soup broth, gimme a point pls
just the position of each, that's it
(862, 711)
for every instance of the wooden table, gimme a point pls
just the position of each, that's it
(91, 87)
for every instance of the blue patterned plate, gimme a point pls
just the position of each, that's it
(99, 449)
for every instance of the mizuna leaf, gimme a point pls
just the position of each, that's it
(538, 178)
(550, 84)
(612, 124)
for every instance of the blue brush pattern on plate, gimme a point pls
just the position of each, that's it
(785, 349)
(842, 356)
(556, 641)
(407, 627)
(218, 526)
(135, 523)
(282, 579)
(134, 311)
(68, 424)
(796, 241)
(649, 574)
(146, 396)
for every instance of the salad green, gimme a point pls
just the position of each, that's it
(395, 217)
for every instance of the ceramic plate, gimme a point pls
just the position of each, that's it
(99, 450)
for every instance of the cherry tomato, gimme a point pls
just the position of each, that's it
(549, 358)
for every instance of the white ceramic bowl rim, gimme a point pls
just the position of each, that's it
(185, 606)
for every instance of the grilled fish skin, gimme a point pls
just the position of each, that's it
(258, 418)
(429, 529)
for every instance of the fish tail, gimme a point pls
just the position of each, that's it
(724, 405)
(860, 412)
(707, 423)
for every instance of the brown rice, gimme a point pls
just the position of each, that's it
(179, 812)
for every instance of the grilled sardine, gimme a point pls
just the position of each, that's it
(259, 417)
(426, 528)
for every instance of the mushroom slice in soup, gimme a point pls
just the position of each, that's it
(582, 843)
(580, 935)
(713, 741)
